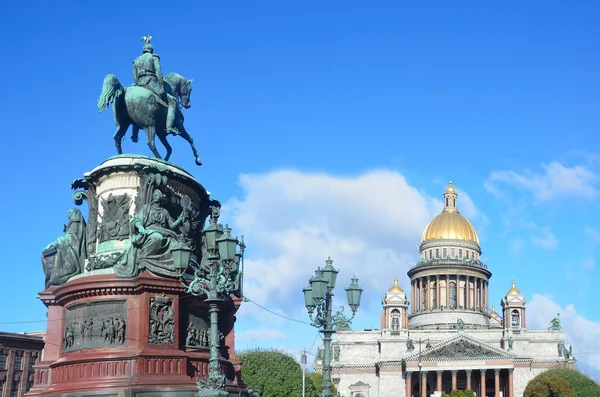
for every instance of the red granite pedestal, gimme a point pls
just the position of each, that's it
(135, 367)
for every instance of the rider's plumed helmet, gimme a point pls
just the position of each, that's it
(148, 48)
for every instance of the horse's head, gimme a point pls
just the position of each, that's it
(181, 87)
(185, 92)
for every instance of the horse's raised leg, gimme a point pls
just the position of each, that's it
(135, 132)
(163, 139)
(150, 134)
(118, 137)
(184, 134)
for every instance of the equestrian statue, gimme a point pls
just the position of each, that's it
(152, 104)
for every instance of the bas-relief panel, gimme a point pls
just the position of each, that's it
(95, 325)
(197, 329)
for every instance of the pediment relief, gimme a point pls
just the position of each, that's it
(461, 348)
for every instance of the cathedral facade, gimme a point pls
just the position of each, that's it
(445, 333)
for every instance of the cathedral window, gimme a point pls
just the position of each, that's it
(452, 294)
(452, 253)
(437, 253)
(445, 252)
(460, 253)
(425, 297)
(467, 253)
(3, 357)
(430, 254)
(434, 296)
(395, 320)
(515, 321)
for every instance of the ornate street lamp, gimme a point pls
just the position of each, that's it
(318, 295)
(217, 276)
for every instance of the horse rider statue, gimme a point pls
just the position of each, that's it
(147, 73)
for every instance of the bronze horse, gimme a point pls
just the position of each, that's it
(142, 109)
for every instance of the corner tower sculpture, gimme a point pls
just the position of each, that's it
(449, 283)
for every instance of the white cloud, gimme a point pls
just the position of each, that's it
(556, 181)
(589, 264)
(260, 335)
(544, 238)
(579, 331)
(369, 224)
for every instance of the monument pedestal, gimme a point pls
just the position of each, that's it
(124, 325)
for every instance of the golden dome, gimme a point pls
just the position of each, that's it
(513, 290)
(450, 224)
(494, 314)
(396, 287)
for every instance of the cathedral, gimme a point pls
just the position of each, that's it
(445, 333)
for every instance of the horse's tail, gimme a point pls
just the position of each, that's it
(111, 90)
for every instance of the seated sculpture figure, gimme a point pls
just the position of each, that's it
(153, 235)
(65, 257)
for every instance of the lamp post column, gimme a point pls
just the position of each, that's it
(327, 332)
(438, 386)
(408, 381)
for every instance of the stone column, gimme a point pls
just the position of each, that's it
(447, 290)
(438, 386)
(454, 373)
(482, 384)
(469, 379)
(408, 381)
(497, 382)
(424, 384)
(412, 295)
(511, 391)
(468, 294)
(438, 299)
(420, 293)
(428, 293)
(486, 303)
(479, 305)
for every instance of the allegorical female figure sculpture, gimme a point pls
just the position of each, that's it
(152, 237)
(65, 257)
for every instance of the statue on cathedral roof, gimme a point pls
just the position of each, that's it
(153, 103)
(555, 323)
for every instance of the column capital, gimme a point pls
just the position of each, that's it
(423, 374)
(482, 372)
(469, 371)
(439, 373)
(496, 371)
(406, 375)
(454, 372)
(510, 371)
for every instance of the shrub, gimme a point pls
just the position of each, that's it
(274, 374)
(548, 386)
(581, 384)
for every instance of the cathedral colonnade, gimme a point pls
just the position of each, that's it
(485, 382)
(449, 291)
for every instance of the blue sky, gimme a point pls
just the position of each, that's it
(328, 129)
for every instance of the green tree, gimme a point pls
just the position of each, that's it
(274, 373)
(581, 384)
(317, 380)
(548, 386)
